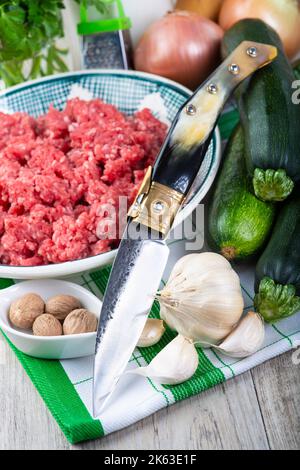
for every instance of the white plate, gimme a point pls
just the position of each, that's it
(51, 347)
(125, 89)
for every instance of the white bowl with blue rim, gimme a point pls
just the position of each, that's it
(128, 91)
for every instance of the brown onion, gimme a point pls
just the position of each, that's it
(208, 8)
(281, 15)
(182, 46)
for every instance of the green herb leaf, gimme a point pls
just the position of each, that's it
(28, 30)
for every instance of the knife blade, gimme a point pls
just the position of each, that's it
(140, 261)
(130, 295)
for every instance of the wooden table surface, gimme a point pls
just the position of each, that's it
(257, 410)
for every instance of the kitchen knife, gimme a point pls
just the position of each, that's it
(143, 253)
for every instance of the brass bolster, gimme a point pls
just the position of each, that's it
(157, 209)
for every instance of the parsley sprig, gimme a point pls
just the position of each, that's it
(28, 33)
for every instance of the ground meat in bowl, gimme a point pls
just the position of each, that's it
(59, 173)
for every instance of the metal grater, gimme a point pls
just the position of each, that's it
(106, 41)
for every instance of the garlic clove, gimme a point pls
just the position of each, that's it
(152, 333)
(246, 338)
(174, 364)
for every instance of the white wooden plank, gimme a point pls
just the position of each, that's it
(25, 421)
(278, 384)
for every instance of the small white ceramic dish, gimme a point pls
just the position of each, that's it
(49, 347)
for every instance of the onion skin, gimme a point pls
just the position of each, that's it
(182, 46)
(208, 8)
(281, 15)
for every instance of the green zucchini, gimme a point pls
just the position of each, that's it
(296, 67)
(269, 118)
(238, 222)
(277, 282)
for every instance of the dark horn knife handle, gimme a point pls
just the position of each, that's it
(189, 137)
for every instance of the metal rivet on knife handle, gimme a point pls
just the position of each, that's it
(158, 207)
(252, 51)
(191, 110)
(234, 69)
(212, 88)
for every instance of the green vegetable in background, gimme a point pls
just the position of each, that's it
(278, 269)
(297, 70)
(238, 222)
(268, 116)
(28, 31)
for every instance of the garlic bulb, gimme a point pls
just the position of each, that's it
(246, 338)
(152, 332)
(174, 364)
(202, 299)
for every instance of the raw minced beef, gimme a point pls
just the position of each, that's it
(58, 173)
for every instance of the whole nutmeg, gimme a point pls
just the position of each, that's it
(61, 305)
(80, 321)
(47, 325)
(25, 310)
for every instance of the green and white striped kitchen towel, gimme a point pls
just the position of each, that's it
(66, 386)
